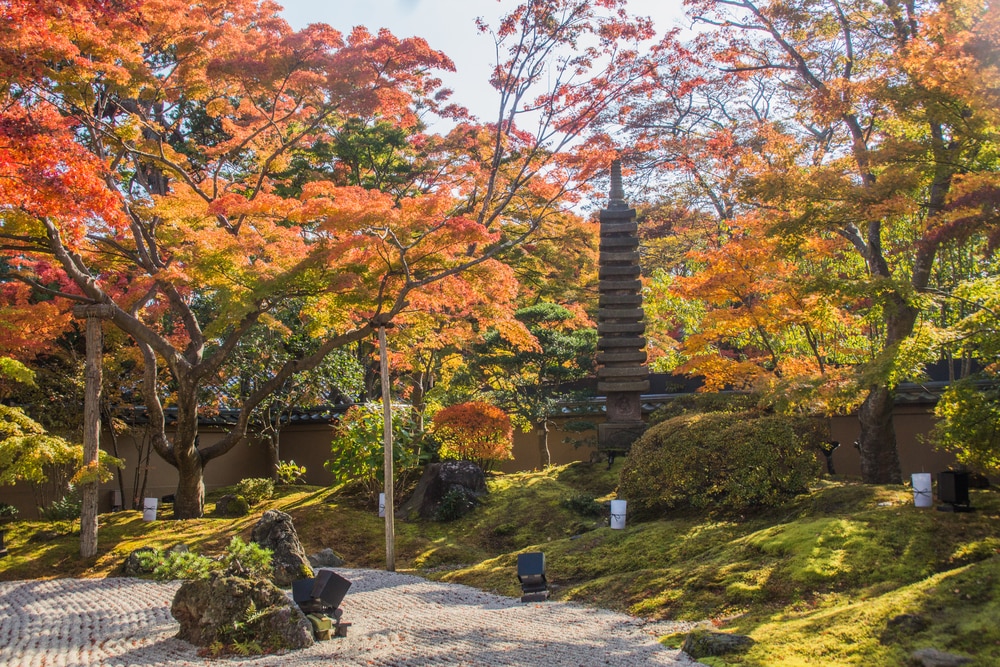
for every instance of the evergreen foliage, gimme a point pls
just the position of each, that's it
(255, 489)
(735, 462)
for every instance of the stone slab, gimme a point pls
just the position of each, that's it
(620, 373)
(619, 216)
(610, 387)
(621, 328)
(620, 286)
(617, 243)
(621, 357)
(631, 256)
(605, 314)
(618, 272)
(636, 342)
(616, 300)
(618, 228)
(624, 407)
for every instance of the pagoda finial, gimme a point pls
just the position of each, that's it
(617, 196)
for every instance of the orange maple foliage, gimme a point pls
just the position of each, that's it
(200, 200)
(474, 431)
(862, 122)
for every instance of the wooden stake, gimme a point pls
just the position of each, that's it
(390, 529)
(91, 423)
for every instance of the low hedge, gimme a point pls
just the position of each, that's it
(734, 462)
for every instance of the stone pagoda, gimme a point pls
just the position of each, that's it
(623, 375)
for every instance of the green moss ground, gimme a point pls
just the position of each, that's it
(814, 582)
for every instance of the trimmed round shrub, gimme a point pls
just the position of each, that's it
(733, 462)
(686, 404)
(255, 489)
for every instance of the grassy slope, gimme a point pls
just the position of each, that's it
(814, 583)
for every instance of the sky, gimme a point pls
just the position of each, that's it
(449, 26)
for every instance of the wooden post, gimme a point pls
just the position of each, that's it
(91, 423)
(390, 529)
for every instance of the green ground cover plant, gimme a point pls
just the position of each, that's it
(816, 580)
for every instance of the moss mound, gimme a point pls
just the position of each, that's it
(732, 461)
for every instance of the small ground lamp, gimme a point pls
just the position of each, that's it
(953, 490)
(531, 574)
(319, 599)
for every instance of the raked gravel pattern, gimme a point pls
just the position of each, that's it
(397, 620)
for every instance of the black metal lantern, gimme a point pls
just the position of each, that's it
(953, 490)
(531, 574)
(319, 599)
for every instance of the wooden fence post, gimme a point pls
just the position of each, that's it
(390, 508)
(91, 422)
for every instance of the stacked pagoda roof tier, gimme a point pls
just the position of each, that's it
(623, 374)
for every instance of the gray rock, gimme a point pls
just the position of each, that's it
(931, 657)
(132, 567)
(705, 643)
(227, 609)
(326, 558)
(275, 531)
(440, 479)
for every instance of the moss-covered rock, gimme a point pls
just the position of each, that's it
(232, 505)
(233, 611)
(275, 531)
(136, 565)
(702, 643)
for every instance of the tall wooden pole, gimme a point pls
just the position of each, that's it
(390, 529)
(91, 424)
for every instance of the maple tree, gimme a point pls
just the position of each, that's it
(474, 431)
(850, 136)
(190, 166)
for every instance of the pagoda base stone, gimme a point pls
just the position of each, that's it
(608, 388)
(618, 437)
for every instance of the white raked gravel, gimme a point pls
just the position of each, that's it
(397, 620)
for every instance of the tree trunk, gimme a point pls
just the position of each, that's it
(544, 456)
(189, 500)
(877, 442)
(273, 451)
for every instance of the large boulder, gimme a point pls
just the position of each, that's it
(275, 531)
(228, 610)
(463, 480)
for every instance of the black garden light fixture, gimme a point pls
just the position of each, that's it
(953, 491)
(531, 574)
(319, 599)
